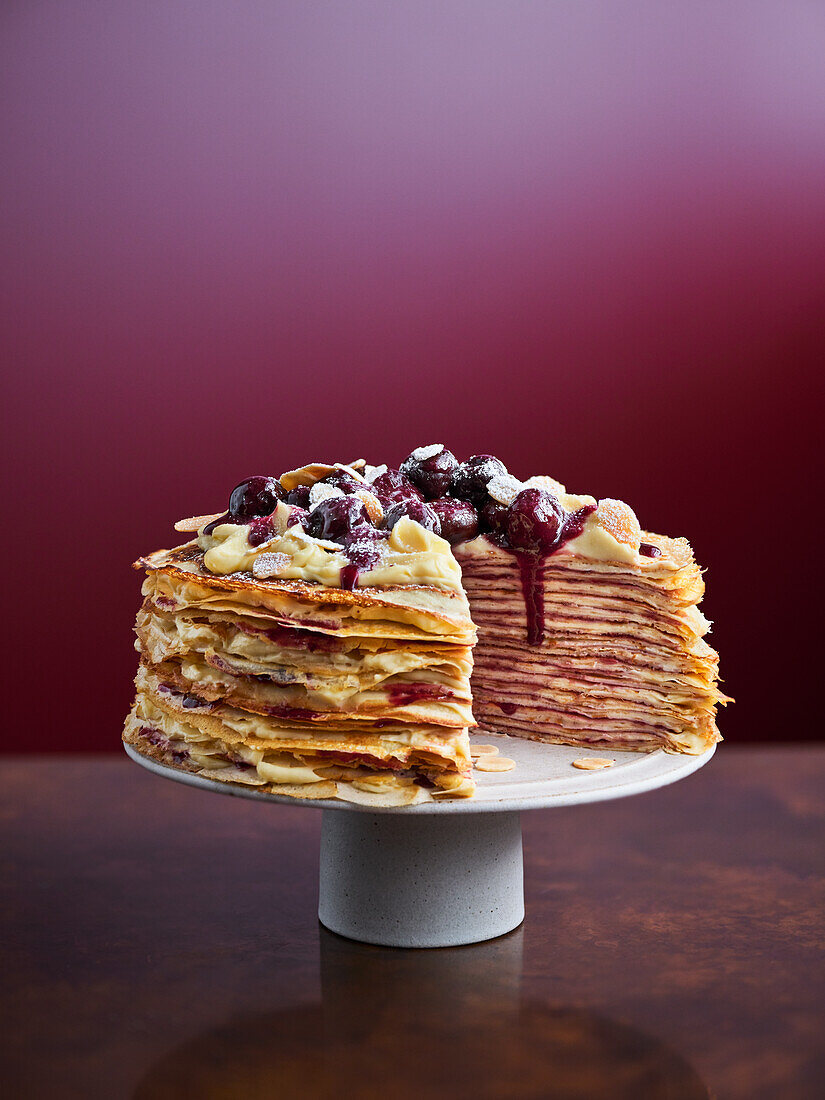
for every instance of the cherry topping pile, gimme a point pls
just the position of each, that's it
(457, 500)
(532, 522)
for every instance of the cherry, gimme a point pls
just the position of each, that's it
(415, 509)
(337, 517)
(298, 516)
(257, 496)
(260, 530)
(493, 518)
(469, 481)
(364, 546)
(392, 486)
(535, 521)
(299, 496)
(431, 475)
(649, 550)
(459, 519)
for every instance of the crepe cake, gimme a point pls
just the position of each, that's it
(316, 639)
(308, 642)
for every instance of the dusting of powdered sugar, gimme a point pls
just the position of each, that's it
(320, 491)
(372, 472)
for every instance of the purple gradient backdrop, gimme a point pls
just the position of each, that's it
(587, 237)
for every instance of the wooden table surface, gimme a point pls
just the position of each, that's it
(159, 941)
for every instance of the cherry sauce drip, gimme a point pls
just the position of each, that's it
(649, 550)
(531, 568)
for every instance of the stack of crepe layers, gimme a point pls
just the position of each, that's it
(303, 690)
(621, 663)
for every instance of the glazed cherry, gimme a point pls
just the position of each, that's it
(469, 481)
(257, 496)
(336, 518)
(493, 518)
(260, 530)
(393, 486)
(364, 546)
(299, 496)
(415, 509)
(340, 479)
(297, 517)
(535, 521)
(431, 475)
(459, 519)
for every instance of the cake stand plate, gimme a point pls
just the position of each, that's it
(446, 873)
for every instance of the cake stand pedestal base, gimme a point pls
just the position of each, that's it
(421, 880)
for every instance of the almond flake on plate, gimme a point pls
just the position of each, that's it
(490, 763)
(593, 763)
(483, 750)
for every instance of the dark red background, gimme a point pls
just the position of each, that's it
(587, 237)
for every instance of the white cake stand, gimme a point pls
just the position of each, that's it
(446, 873)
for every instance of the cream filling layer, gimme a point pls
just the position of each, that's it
(411, 555)
(595, 542)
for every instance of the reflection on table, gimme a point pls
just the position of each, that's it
(395, 1023)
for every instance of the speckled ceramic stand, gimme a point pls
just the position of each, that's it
(450, 872)
(421, 881)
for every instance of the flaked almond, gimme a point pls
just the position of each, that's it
(194, 523)
(490, 763)
(270, 565)
(421, 454)
(593, 763)
(504, 488)
(350, 469)
(549, 484)
(620, 520)
(306, 475)
(483, 750)
(372, 504)
(372, 472)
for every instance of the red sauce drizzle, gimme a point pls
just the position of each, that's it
(349, 575)
(531, 567)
